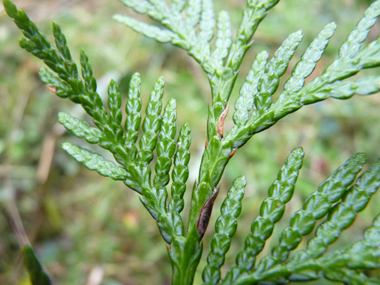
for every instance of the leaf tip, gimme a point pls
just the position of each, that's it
(10, 8)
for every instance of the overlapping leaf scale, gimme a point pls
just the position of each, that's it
(160, 6)
(143, 7)
(223, 38)
(69, 83)
(113, 132)
(166, 146)
(79, 128)
(352, 44)
(207, 21)
(35, 42)
(115, 116)
(320, 88)
(61, 88)
(95, 162)
(309, 59)
(193, 12)
(178, 5)
(344, 213)
(271, 211)
(254, 13)
(344, 89)
(90, 99)
(150, 31)
(136, 172)
(225, 228)
(274, 69)
(249, 89)
(152, 123)
(165, 151)
(180, 171)
(133, 119)
(65, 67)
(316, 206)
(342, 265)
(350, 277)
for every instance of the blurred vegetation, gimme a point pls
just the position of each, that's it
(84, 226)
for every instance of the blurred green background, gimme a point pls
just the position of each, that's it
(85, 227)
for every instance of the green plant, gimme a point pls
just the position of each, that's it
(337, 200)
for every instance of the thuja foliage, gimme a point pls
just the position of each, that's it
(154, 161)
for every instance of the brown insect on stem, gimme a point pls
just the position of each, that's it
(221, 120)
(206, 144)
(232, 152)
(51, 88)
(205, 214)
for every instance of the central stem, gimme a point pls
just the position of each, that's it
(185, 252)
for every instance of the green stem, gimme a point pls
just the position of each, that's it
(185, 252)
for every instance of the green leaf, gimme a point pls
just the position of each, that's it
(274, 69)
(271, 211)
(207, 23)
(141, 7)
(95, 162)
(254, 13)
(193, 12)
(152, 123)
(343, 213)
(35, 270)
(309, 59)
(178, 5)
(316, 206)
(353, 42)
(115, 116)
(79, 128)
(344, 89)
(61, 44)
(225, 228)
(40, 46)
(133, 119)
(57, 85)
(249, 89)
(223, 38)
(153, 32)
(180, 171)
(166, 145)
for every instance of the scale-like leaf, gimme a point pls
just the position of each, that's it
(152, 123)
(271, 211)
(254, 13)
(309, 59)
(223, 38)
(79, 128)
(178, 5)
(95, 162)
(150, 31)
(249, 90)
(193, 13)
(316, 206)
(225, 228)
(344, 213)
(343, 90)
(180, 171)
(274, 69)
(166, 145)
(355, 39)
(207, 22)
